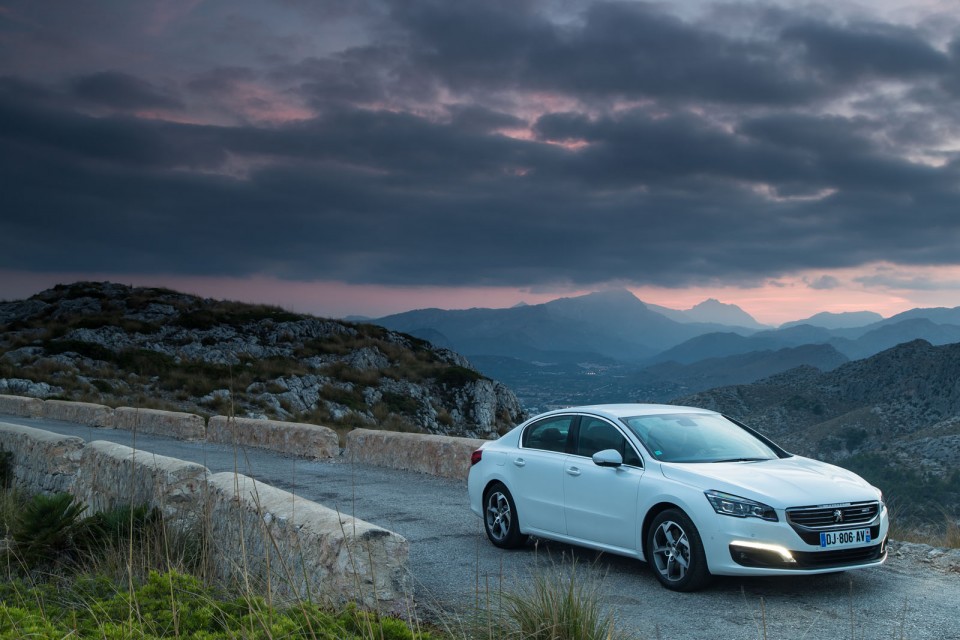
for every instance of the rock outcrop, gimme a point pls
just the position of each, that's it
(115, 345)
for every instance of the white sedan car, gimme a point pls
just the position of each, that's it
(689, 491)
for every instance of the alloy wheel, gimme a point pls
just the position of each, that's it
(671, 551)
(498, 516)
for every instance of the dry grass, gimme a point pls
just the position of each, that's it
(945, 534)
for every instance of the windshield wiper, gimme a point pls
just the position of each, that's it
(742, 460)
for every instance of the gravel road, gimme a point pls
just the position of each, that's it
(915, 595)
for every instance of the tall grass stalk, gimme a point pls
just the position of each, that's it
(557, 602)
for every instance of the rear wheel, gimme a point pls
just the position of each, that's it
(675, 552)
(500, 518)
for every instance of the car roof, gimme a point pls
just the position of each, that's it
(631, 409)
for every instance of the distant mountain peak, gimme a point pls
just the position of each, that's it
(844, 320)
(618, 295)
(712, 310)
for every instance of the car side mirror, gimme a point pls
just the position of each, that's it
(608, 458)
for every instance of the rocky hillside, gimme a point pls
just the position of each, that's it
(118, 345)
(894, 417)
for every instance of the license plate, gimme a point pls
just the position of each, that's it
(836, 539)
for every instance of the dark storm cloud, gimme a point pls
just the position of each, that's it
(619, 49)
(122, 91)
(495, 143)
(867, 50)
(39, 127)
(221, 79)
(353, 76)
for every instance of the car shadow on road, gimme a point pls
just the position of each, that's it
(838, 583)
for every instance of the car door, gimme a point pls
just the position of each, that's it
(601, 503)
(537, 471)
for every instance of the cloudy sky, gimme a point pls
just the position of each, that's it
(366, 156)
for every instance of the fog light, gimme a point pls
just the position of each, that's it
(783, 552)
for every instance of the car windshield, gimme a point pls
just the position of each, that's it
(697, 437)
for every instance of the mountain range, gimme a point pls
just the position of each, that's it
(611, 345)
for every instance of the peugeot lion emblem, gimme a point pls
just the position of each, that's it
(838, 515)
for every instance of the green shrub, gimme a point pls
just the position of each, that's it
(922, 497)
(6, 468)
(102, 385)
(400, 403)
(175, 605)
(49, 529)
(144, 362)
(350, 398)
(232, 314)
(456, 376)
(120, 525)
(90, 350)
(17, 623)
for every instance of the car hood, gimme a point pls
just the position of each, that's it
(780, 483)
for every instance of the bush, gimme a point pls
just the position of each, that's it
(49, 530)
(400, 403)
(145, 362)
(350, 398)
(456, 376)
(90, 350)
(6, 468)
(175, 605)
(921, 497)
(116, 527)
(233, 314)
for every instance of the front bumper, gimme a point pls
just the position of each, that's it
(767, 558)
(750, 546)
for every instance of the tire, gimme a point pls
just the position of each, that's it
(674, 552)
(500, 518)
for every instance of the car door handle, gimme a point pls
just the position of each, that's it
(520, 462)
(574, 471)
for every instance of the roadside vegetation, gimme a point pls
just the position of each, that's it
(123, 574)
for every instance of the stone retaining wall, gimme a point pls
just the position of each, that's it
(264, 534)
(42, 462)
(20, 406)
(93, 415)
(291, 438)
(327, 556)
(443, 456)
(437, 455)
(182, 426)
(112, 475)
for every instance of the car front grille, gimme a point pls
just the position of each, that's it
(839, 557)
(832, 517)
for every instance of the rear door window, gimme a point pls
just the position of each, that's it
(549, 434)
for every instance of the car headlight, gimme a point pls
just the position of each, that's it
(729, 505)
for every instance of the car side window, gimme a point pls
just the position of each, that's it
(549, 434)
(598, 435)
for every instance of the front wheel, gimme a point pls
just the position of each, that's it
(500, 518)
(675, 552)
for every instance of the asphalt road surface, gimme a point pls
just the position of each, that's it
(453, 566)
